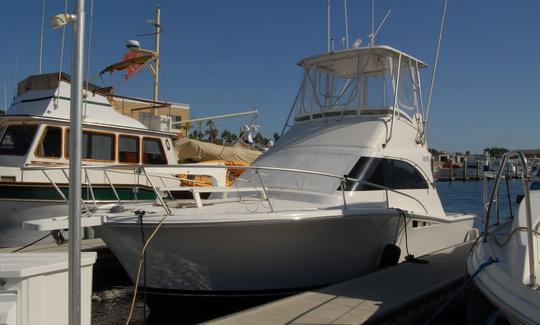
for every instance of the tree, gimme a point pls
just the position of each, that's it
(276, 136)
(226, 136)
(260, 139)
(234, 137)
(196, 135)
(496, 152)
(211, 132)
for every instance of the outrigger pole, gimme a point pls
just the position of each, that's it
(435, 67)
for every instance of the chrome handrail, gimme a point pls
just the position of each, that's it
(527, 197)
(253, 168)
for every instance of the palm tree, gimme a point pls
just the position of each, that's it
(226, 136)
(212, 132)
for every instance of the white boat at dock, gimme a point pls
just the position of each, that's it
(350, 175)
(505, 261)
(34, 135)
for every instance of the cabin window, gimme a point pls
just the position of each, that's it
(17, 139)
(128, 149)
(51, 143)
(153, 152)
(96, 146)
(391, 173)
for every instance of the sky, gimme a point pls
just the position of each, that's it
(230, 56)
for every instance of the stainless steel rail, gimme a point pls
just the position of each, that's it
(527, 197)
(255, 169)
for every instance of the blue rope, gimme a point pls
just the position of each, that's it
(489, 261)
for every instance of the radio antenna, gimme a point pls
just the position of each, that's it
(346, 24)
(328, 11)
(381, 25)
(434, 72)
(372, 35)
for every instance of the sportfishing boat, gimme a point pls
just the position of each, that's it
(350, 175)
(505, 261)
(34, 137)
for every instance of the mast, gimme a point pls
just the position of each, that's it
(157, 25)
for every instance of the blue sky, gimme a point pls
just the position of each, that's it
(229, 56)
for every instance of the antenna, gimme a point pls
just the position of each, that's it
(89, 50)
(328, 22)
(41, 35)
(16, 70)
(435, 65)
(372, 35)
(5, 98)
(346, 23)
(380, 26)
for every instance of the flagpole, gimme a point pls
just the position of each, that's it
(75, 145)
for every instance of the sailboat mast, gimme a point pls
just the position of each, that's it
(157, 38)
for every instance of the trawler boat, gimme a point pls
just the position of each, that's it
(34, 135)
(505, 262)
(349, 175)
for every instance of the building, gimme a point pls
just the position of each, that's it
(141, 110)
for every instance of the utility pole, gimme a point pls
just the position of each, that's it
(157, 24)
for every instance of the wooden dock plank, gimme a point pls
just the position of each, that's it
(364, 298)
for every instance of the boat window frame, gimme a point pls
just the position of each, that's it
(114, 145)
(42, 137)
(388, 176)
(160, 145)
(139, 147)
(5, 128)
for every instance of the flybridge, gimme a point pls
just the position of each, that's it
(378, 80)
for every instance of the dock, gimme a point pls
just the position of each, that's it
(403, 293)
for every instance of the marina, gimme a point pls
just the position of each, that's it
(120, 204)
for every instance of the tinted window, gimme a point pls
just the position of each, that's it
(536, 185)
(96, 146)
(51, 143)
(17, 139)
(395, 174)
(153, 152)
(128, 149)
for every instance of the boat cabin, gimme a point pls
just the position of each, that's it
(35, 130)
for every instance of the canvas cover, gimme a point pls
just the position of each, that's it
(49, 81)
(189, 150)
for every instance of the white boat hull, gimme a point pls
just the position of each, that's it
(16, 212)
(264, 256)
(519, 302)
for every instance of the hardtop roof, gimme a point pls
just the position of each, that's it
(334, 62)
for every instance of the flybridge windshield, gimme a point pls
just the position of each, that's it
(357, 82)
(16, 139)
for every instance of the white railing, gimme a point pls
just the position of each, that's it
(526, 179)
(141, 170)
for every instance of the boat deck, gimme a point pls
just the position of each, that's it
(377, 297)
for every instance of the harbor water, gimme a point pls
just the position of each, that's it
(111, 305)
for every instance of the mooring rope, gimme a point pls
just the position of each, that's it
(482, 266)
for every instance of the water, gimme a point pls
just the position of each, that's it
(112, 304)
(467, 197)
